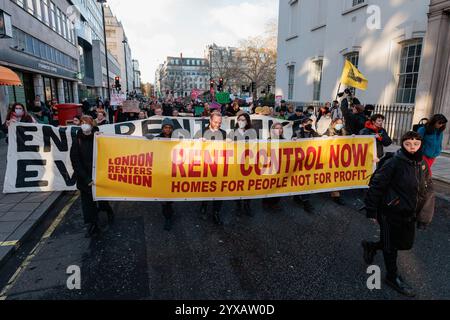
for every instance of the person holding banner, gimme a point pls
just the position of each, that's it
(17, 113)
(243, 131)
(397, 193)
(375, 127)
(214, 133)
(167, 128)
(276, 134)
(81, 156)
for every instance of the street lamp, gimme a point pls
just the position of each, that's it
(102, 2)
(5, 25)
(125, 41)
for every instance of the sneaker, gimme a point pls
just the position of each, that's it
(399, 285)
(369, 253)
(339, 201)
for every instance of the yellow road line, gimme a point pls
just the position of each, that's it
(9, 243)
(37, 248)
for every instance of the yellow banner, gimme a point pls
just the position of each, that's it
(137, 169)
(352, 77)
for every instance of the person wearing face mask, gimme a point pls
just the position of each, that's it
(396, 196)
(243, 131)
(17, 113)
(311, 114)
(337, 129)
(306, 131)
(81, 156)
(276, 134)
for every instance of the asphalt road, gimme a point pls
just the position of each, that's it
(288, 254)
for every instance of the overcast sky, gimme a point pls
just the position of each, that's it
(160, 28)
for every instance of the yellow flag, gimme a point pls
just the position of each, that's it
(352, 77)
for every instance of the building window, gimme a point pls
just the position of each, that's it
(293, 18)
(53, 16)
(291, 71)
(38, 12)
(409, 71)
(318, 66)
(357, 2)
(45, 10)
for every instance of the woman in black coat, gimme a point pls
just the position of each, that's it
(396, 196)
(81, 155)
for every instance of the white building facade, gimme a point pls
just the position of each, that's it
(383, 38)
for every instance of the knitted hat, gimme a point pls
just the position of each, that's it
(167, 122)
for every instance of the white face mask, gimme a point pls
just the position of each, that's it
(242, 124)
(339, 127)
(87, 128)
(19, 112)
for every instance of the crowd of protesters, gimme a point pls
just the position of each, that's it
(399, 189)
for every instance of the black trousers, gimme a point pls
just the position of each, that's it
(167, 210)
(217, 205)
(89, 207)
(390, 252)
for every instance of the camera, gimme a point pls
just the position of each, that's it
(346, 91)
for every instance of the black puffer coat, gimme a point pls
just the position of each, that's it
(397, 193)
(82, 155)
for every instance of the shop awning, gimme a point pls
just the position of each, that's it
(9, 77)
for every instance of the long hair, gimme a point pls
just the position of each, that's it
(12, 110)
(431, 125)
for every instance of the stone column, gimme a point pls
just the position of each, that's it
(38, 83)
(76, 98)
(60, 86)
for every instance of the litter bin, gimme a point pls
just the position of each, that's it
(67, 111)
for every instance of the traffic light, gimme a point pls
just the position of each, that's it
(117, 84)
(211, 84)
(253, 87)
(220, 88)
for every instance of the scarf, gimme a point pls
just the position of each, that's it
(369, 125)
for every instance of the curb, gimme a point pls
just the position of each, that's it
(26, 228)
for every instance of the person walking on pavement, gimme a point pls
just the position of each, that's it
(433, 136)
(397, 194)
(243, 131)
(213, 133)
(81, 156)
(375, 127)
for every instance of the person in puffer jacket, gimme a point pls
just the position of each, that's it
(375, 127)
(433, 136)
(396, 195)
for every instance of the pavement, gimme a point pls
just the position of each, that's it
(19, 213)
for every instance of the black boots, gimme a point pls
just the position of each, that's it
(204, 213)
(399, 285)
(369, 252)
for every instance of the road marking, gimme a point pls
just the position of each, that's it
(9, 243)
(37, 248)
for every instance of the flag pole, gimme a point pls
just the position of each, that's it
(339, 88)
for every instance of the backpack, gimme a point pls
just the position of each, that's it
(421, 124)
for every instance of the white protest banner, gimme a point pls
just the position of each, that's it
(39, 155)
